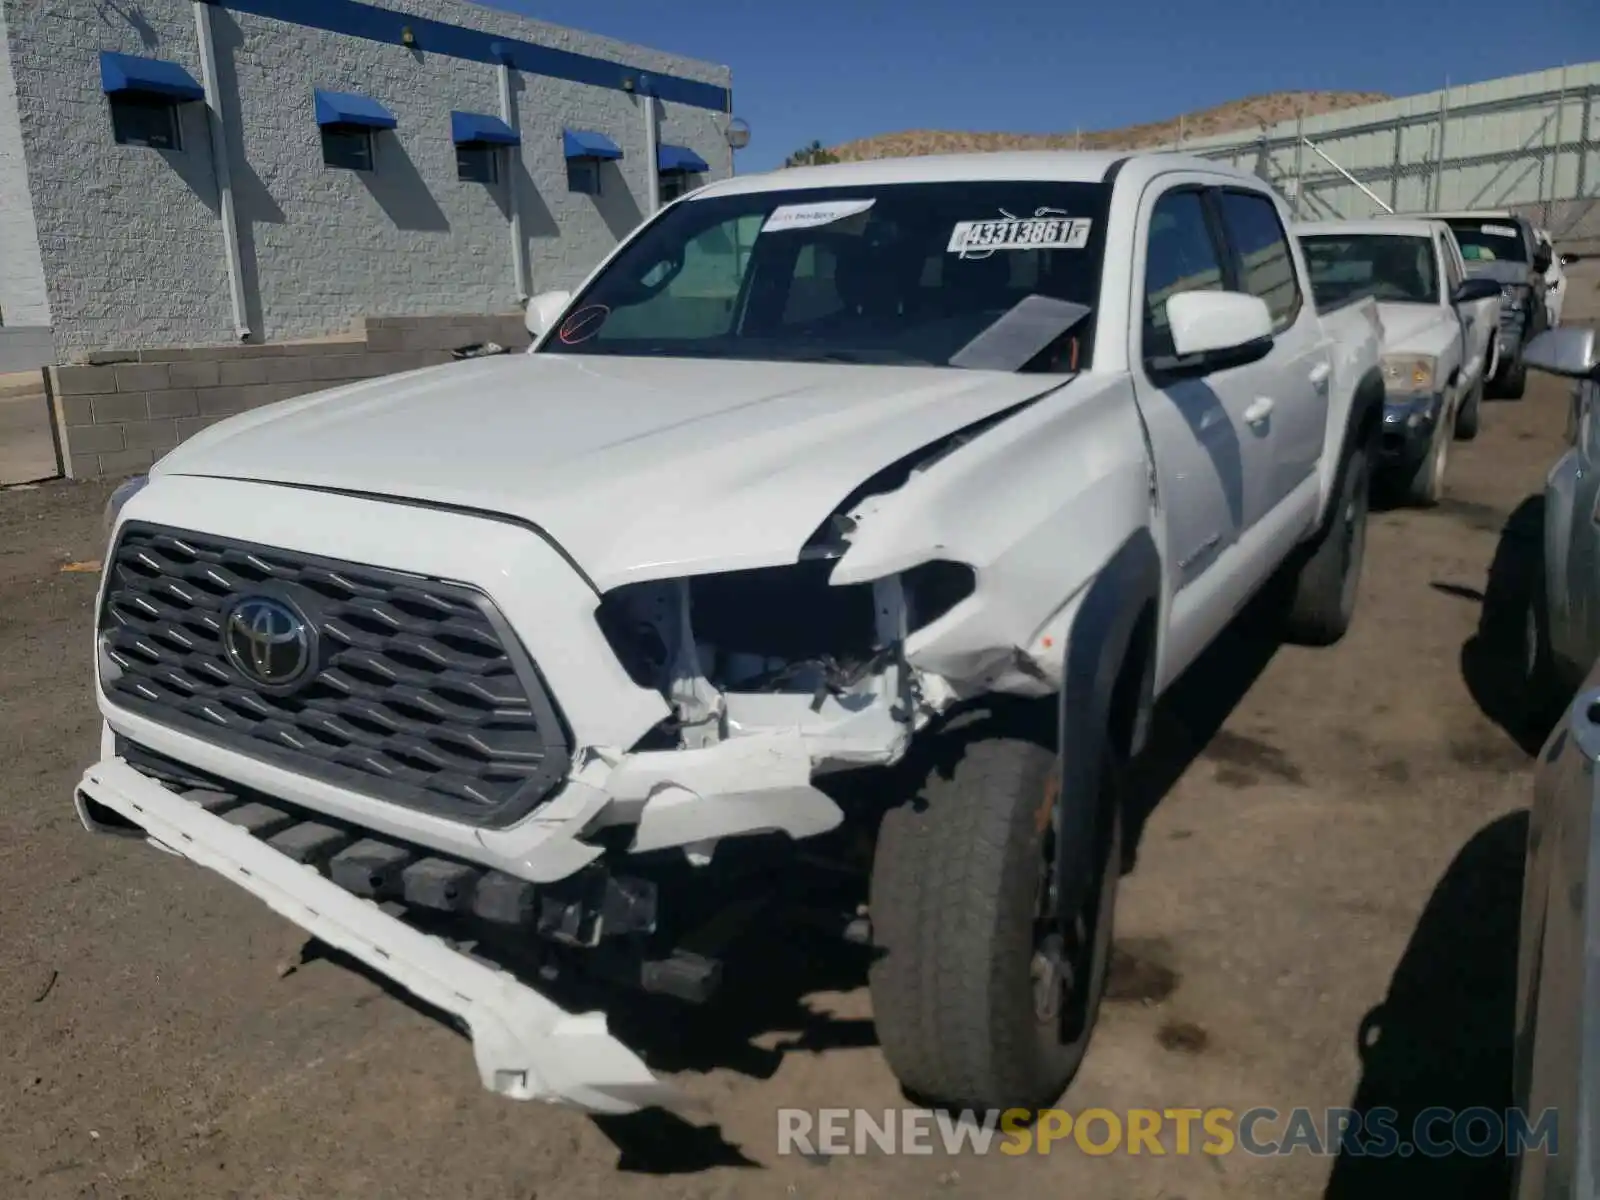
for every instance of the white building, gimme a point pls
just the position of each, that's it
(184, 172)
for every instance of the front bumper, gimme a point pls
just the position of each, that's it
(757, 780)
(526, 1046)
(1408, 428)
(744, 785)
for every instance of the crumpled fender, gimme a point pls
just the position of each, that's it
(1036, 505)
(1105, 639)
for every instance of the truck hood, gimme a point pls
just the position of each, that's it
(1419, 328)
(636, 468)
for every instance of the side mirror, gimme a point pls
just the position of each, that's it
(1568, 259)
(1470, 291)
(1217, 323)
(543, 310)
(1571, 351)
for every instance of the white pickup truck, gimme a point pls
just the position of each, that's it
(946, 464)
(1439, 331)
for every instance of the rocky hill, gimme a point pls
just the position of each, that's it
(1249, 113)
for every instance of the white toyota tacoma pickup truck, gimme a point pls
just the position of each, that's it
(1439, 335)
(946, 465)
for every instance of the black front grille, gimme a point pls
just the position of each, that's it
(418, 693)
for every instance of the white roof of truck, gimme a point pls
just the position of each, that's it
(1375, 226)
(1473, 214)
(1060, 166)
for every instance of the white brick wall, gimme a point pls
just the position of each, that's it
(131, 242)
(22, 291)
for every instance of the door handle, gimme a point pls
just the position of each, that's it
(1259, 411)
(1320, 373)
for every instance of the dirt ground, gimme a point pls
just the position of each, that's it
(1321, 913)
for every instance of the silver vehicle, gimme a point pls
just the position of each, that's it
(1561, 622)
(1558, 965)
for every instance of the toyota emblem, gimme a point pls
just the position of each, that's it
(268, 641)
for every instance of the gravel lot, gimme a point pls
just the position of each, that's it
(1322, 913)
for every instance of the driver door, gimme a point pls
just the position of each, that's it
(1213, 451)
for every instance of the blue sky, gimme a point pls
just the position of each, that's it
(840, 69)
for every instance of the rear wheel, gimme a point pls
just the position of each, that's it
(984, 997)
(1324, 587)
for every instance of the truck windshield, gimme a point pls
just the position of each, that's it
(898, 274)
(1387, 267)
(1488, 240)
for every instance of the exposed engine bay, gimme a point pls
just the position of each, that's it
(776, 645)
(709, 643)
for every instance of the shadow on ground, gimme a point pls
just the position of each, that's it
(1188, 720)
(1443, 1035)
(1496, 662)
(764, 996)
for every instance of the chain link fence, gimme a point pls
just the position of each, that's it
(1494, 145)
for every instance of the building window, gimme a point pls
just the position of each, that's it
(145, 121)
(583, 176)
(348, 147)
(677, 183)
(478, 164)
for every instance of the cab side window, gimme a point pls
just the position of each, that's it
(1181, 255)
(1261, 246)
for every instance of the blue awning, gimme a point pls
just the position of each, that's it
(147, 76)
(680, 158)
(580, 143)
(480, 129)
(346, 108)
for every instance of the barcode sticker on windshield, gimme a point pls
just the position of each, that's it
(1019, 233)
(1499, 230)
(809, 216)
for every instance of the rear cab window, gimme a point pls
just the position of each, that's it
(1487, 239)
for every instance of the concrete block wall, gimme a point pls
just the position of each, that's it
(131, 238)
(121, 410)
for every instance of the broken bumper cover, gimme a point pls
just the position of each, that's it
(526, 1046)
(745, 785)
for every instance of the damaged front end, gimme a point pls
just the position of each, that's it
(779, 649)
(779, 674)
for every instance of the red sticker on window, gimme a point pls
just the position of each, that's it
(583, 324)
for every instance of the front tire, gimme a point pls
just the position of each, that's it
(973, 1008)
(1470, 415)
(1425, 488)
(1323, 602)
(1515, 382)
